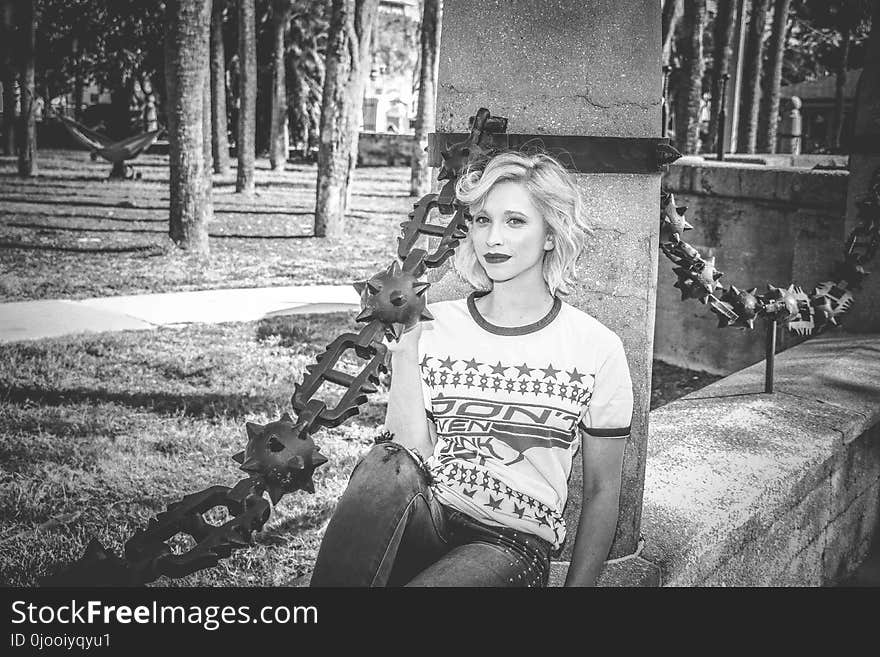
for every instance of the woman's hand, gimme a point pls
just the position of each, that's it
(408, 343)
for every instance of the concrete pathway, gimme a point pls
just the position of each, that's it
(32, 320)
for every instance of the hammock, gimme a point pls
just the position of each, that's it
(115, 152)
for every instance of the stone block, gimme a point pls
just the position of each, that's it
(857, 470)
(848, 536)
(553, 67)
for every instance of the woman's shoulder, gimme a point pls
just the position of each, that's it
(587, 326)
(448, 307)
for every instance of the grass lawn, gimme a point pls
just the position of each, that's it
(69, 233)
(99, 433)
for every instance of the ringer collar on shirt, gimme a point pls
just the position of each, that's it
(511, 330)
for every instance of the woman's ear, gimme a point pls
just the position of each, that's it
(549, 243)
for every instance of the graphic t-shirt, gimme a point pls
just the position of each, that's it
(508, 402)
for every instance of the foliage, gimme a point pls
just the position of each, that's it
(110, 42)
(815, 37)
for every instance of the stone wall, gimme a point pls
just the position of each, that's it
(763, 224)
(748, 489)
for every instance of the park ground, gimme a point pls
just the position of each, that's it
(99, 432)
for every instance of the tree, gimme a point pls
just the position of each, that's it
(432, 18)
(307, 47)
(689, 90)
(671, 11)
(722, 51)
(247, 97)
(750, 94)
(347, 65)
(278, 137)
(27, 132)
(9, 77)
(769, 110)
(219, 128)
(188, 44)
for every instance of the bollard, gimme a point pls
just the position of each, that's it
(790, 129)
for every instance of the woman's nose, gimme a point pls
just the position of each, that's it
(494, 236)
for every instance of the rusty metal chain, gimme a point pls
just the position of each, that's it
(792, 307)
(280, 457)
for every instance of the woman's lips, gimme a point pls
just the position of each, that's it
(496, 258)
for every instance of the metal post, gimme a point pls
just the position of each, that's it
(722, 117)
(664, 107)
(770, 355)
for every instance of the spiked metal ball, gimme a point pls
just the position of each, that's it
(744, 304)
(282, 456)
(781, 304)
(395, 297)
(672, 221)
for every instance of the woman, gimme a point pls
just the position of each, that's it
(468, 483)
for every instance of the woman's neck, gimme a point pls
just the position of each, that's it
(513, 303)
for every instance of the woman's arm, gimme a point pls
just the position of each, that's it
(603, 462)
(405, 417)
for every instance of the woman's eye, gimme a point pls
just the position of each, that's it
(480, 219)
(516, 221)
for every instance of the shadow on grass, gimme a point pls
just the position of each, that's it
(207, 405)
(6, 244)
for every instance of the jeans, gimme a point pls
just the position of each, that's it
(389, 530)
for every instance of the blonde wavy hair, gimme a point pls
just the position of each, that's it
(556, 196)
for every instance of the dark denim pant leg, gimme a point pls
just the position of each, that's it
(487, 556)
(387, 525)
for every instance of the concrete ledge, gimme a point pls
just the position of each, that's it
(745, 488)
(802, 187)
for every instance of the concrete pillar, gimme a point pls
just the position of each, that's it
(864, 162)
(577, 68)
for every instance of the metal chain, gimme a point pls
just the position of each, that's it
(802, 313)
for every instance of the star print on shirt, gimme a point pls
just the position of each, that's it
(469, 493)
(550, 372)
(498, 369)
(494, 504)
(496, 383)
(471, 365)
(519, 510)
(447, 363)
(574, 376)
(524, 370)
(425, 360)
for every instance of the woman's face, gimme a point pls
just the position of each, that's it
(509, 235)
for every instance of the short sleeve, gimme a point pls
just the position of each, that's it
(424, 366)
(610, 409)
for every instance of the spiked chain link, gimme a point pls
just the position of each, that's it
(801, 313)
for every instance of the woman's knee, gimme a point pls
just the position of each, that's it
(392, 463)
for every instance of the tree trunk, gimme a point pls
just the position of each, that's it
(278, 138)
(27, 131)
(768, 118)
(186, 72)
(247, 97)
(840, 83)
(207, 135)
(432, 18)
(348, 64)
(751, 78)
(219, 128)
(722, 35)
(670, 14)
(9, 78)
(690, 94)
